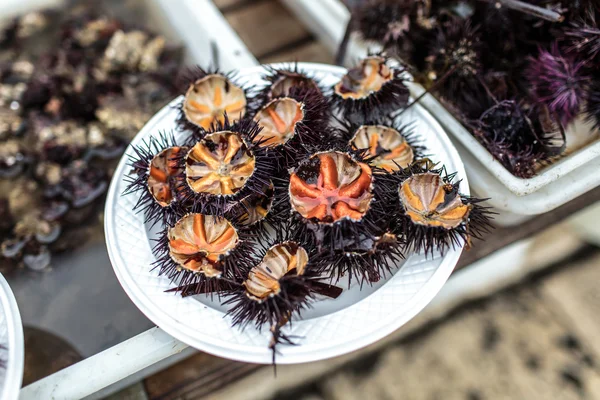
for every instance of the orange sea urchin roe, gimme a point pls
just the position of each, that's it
(364, 79)
(387, 145)
(278, 120)
(429, 201)
(163, 168)
(197, 242)
(331, 186)
(219, 164)
(208, 99)
(263, 279)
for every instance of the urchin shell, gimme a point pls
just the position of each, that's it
(146, 178)
(208, 97)
(282, 283)
(370, 90)
(345, 229)
(431, 214)
(386, 145)
(274, 288)
(293, 123)
(201, 253)
(249, 164)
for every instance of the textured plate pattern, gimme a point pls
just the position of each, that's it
(325, 331)
(11, 337)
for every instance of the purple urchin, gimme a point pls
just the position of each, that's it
(583, 38)
(202, 254)
(431, 214)
(224, 166)
(371, 90)
(209, 97)
(155, 175)
(558, 82)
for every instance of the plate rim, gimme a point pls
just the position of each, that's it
(292, 354)
(16, 354)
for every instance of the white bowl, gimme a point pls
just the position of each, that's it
(332, 327)
(11, 337)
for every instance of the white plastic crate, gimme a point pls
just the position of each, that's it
(516, 199)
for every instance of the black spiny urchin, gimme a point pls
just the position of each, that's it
(583, 39)
(514, 138)
(226, 165)
(280, 284)
(154, 177)
(371, 90)
(202, 254)
(454, 61)
(335, 204)
(281, 80)
(402, 26)
(431, 214)
(592, 108)
(209, 96)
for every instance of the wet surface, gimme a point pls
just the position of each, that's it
(79, 299)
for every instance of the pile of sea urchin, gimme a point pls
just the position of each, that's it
(278, 192)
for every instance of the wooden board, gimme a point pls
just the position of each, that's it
(225, 5)
(195, 377)
(312, 51)
(267, 27)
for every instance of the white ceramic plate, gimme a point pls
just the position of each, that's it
(11, 337)
(332, 327)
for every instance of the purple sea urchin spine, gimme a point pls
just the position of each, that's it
(558, 82)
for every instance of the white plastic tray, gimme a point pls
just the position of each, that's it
(520, 187)
(332, 327)
(11, 337)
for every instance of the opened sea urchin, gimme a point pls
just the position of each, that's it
(209, 97)
(370, 90)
